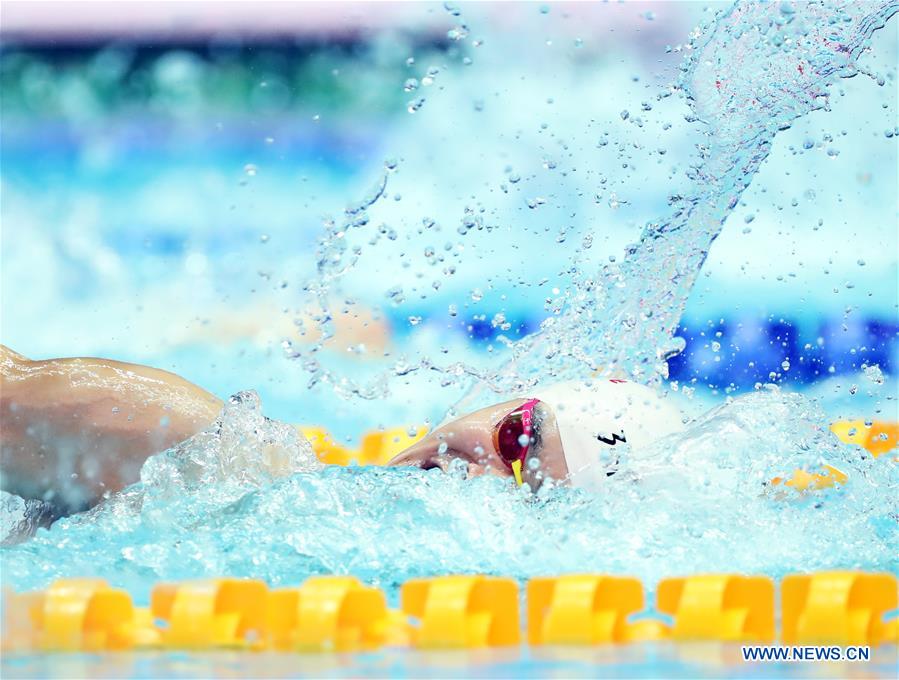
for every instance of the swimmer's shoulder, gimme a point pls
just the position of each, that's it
(95, 374)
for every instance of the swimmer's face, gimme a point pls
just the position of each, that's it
(470, 439)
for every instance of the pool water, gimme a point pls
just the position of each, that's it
(176, 224)
(655, 660)
(703, 501)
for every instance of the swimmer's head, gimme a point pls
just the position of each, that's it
(570, 432)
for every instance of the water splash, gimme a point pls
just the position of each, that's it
(241, 450)
(20, 518)
(700, 503)
(748, 74)
(246, 498)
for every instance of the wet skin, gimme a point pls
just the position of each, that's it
(470, 439)
(75, 430)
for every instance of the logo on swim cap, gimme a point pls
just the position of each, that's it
(614, 439)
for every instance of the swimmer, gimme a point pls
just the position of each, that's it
(75, 430)
(569, 432)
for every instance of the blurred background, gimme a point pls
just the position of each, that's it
(169, 169)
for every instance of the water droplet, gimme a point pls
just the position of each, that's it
(410, 85)
(874, 374)
(428, 80)
(458, 33)
(442, 448)
(414, 105)
(524, 440)
(250, 170)
(477, 295)
(785, 364)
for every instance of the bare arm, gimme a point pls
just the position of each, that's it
(72, 429)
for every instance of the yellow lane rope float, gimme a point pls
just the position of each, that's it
(340, 613)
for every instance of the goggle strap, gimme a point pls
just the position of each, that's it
(516, 470)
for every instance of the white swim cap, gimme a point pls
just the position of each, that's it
(593, 418)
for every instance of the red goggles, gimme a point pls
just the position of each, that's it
(512, 436)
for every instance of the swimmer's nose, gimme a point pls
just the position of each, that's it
(428, 454)
(434, 452)
(430, 459)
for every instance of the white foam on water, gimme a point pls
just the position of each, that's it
(247, 498)
(702, 501)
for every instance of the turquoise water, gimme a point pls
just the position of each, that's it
(247, 498)
(685, 661)
(700, 502)
(125, 186)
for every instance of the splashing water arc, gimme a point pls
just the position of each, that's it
(749, 73)
(757, 68)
